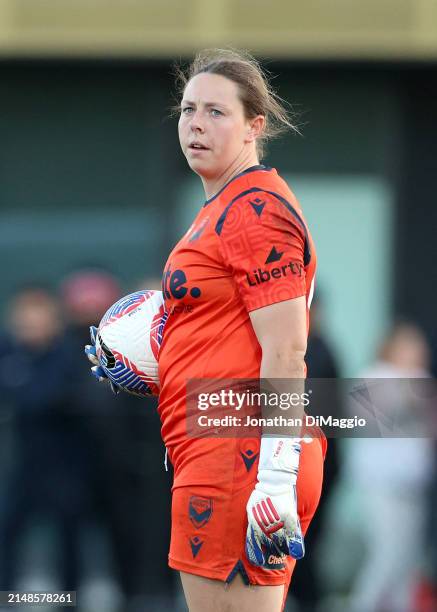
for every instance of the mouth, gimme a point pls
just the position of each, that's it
(197, 146)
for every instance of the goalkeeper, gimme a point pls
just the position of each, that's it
(238, 288)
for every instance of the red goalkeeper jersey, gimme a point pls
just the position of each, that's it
(248, 247)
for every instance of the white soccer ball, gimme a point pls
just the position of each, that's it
(128, 341)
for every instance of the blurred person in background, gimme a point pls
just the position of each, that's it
(427, 591)
(320, 358)
(46, 479)
(124, 467)
(384, 486)
(321, 362)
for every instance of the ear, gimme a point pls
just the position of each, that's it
(255, 127)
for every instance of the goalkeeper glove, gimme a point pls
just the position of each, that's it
(97, 370)
(273, 522)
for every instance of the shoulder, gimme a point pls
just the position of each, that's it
(255, 193)
(261, 207)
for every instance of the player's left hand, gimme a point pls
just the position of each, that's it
(97, 370)
(273, 522)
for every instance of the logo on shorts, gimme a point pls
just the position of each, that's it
(196, 545)
(249, 458)
(199, 510)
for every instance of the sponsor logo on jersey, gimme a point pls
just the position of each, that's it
(196, 544)
(182, 309)
(174, 285)
(260, 276)
(200, 510)
(274, 255)
(257, 205)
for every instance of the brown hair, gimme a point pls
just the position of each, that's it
(256, 93)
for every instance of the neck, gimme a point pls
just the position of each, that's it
(213, 185)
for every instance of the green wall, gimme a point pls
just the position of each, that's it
(90, 172)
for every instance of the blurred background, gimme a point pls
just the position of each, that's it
(94, 192)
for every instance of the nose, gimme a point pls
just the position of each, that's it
(196, 123)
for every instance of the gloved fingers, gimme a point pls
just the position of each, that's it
(90, 352)
(266, 516)
(253, 547)
(97, 370)
(291, 525)
(114, 388)
(260, 547)
(99, 373)
(281, 542)
(287, 545)
(93, 334)
(297, 543)
(297, 548)
(270, 548)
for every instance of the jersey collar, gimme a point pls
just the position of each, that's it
(251, 169)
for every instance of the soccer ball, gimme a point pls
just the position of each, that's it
(128, 341)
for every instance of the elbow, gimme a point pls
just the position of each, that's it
(288, 358)
(296, 362)
(291, 352)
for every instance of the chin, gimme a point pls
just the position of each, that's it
(198, 167)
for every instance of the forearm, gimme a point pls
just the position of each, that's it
(281, 330)
(272, 506)
(283, 374)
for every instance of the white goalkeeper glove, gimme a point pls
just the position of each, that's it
(98, 371)
(274, 525)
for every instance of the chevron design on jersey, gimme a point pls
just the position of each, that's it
(258, 206)
(274, 255)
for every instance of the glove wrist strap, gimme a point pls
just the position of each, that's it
(275, 482)
(280, 454)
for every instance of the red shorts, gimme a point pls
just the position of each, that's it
(209, 522)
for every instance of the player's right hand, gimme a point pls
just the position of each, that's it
(97, 370)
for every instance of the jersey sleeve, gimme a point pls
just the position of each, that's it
(264, 242)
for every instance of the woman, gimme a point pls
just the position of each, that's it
(238, 287)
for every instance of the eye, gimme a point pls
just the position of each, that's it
(187, 110)
(215, 112)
